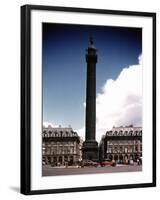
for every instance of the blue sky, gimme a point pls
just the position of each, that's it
(64, 66)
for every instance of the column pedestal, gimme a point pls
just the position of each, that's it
(90, 150)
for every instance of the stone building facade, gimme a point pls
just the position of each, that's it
(60, 146)
(121, 144)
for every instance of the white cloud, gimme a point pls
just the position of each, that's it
(81, 133)
(120, 101)
(46, 124)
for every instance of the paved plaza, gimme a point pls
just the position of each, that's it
(55, 171)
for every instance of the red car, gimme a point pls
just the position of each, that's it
(108, 162)
(89, 163)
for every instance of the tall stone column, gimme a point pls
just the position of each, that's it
(90, 146)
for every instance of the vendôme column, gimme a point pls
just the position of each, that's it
(90, 145)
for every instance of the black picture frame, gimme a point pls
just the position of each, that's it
(26, 98)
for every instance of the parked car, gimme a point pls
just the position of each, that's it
(108, 162)
(89, 163)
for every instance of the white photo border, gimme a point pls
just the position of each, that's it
(45, 184)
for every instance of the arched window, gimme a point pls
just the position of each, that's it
(120, 132)
(115, 133)
(55, 133)
(125, 133)
(135, 133)
(116, 157)
(110, 157)
(61, 133)
(121, 157)
(140, 133)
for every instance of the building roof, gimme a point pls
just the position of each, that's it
(125, 131)
(59, 132)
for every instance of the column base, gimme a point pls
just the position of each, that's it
(90, 150)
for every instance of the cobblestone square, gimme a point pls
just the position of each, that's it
(55, 171)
